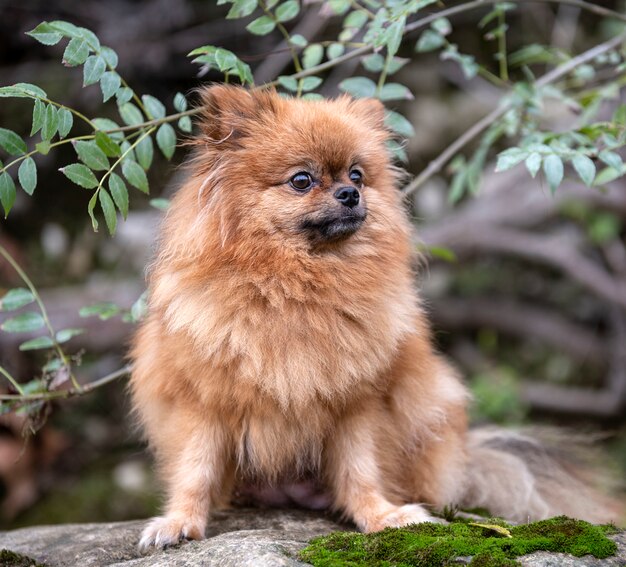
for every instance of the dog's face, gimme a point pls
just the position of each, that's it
(311, 174)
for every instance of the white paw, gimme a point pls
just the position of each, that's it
(170, 530)
(400, 516)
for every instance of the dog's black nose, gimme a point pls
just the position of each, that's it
(348, 196)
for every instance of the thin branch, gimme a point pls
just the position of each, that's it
(553, 252)
(64, 394)
(437, 164)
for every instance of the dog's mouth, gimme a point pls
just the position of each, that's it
(334, 227)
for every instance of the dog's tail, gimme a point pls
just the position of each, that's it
(536, 474)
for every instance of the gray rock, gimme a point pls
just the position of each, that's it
(235, 538)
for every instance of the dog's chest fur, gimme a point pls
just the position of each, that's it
(295, 351)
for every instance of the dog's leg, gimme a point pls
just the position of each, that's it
(355, 477)
(194, 473)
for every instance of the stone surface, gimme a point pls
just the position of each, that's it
(235, 538)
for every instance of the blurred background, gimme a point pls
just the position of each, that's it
(516, 279)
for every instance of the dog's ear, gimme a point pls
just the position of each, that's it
(228, 112)
(371, 111)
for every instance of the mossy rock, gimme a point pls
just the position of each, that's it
(490, 544)
(12, 559)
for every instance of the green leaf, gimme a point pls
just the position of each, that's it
(287, 11)
(298, 40)
(355, 19)
(104, 310)
(393, 36)
(533, 163)
(24, 323)
(38, 343)
(399, 124)
(161, 204)
(139, 309)
(110, 57)
(166, 140)
(135, 175)
(312, 56)
(335, 50)
(241, 9)
(607, 175)
(374, 63)
(7, 192)
(339, 7)
(118, 190)
(39, 111)
(130, 114)
(50, 123)
(154, 106)
(442, 253)
(442, 26)
(553, 170)
(106, 124)
(611, 159)
(90, 210)
(288, 82)
(429, 41)
(395, 91)
(43, 147)
(510, 158)
(110, 216)
(91, 155)
(144, 151)
(310, 83)
(585, 168)
(109, 146)
(93, 70)
(65, 335)
(16, 298)
(109, 84)
(225, 60)
(66, 120)
(180, 102)
(52, 365)
(46, 34)
(12, 143)
(261, 26)
(359, 87)
(80, 174)
(123, 95)
(76, 52)
(312, 96)
(27, 175)
(21, 90)
(185, 124)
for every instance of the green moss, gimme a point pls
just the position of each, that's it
(434, 545)
(13, 559)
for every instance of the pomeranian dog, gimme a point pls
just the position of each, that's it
(285, 338)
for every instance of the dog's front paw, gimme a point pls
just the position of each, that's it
(170, 530)
(398, 517)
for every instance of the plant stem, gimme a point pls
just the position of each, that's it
(560, 71)
(13, 381)
(504, 67)
(54, 145)
(85, 389)
(4, 252)
(128, 150)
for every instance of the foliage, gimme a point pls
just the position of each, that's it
(113, 156)
(492, 544)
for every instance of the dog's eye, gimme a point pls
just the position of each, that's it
(356, 177)
(301, 181)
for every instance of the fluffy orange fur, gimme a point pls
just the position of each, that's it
(272, 354)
